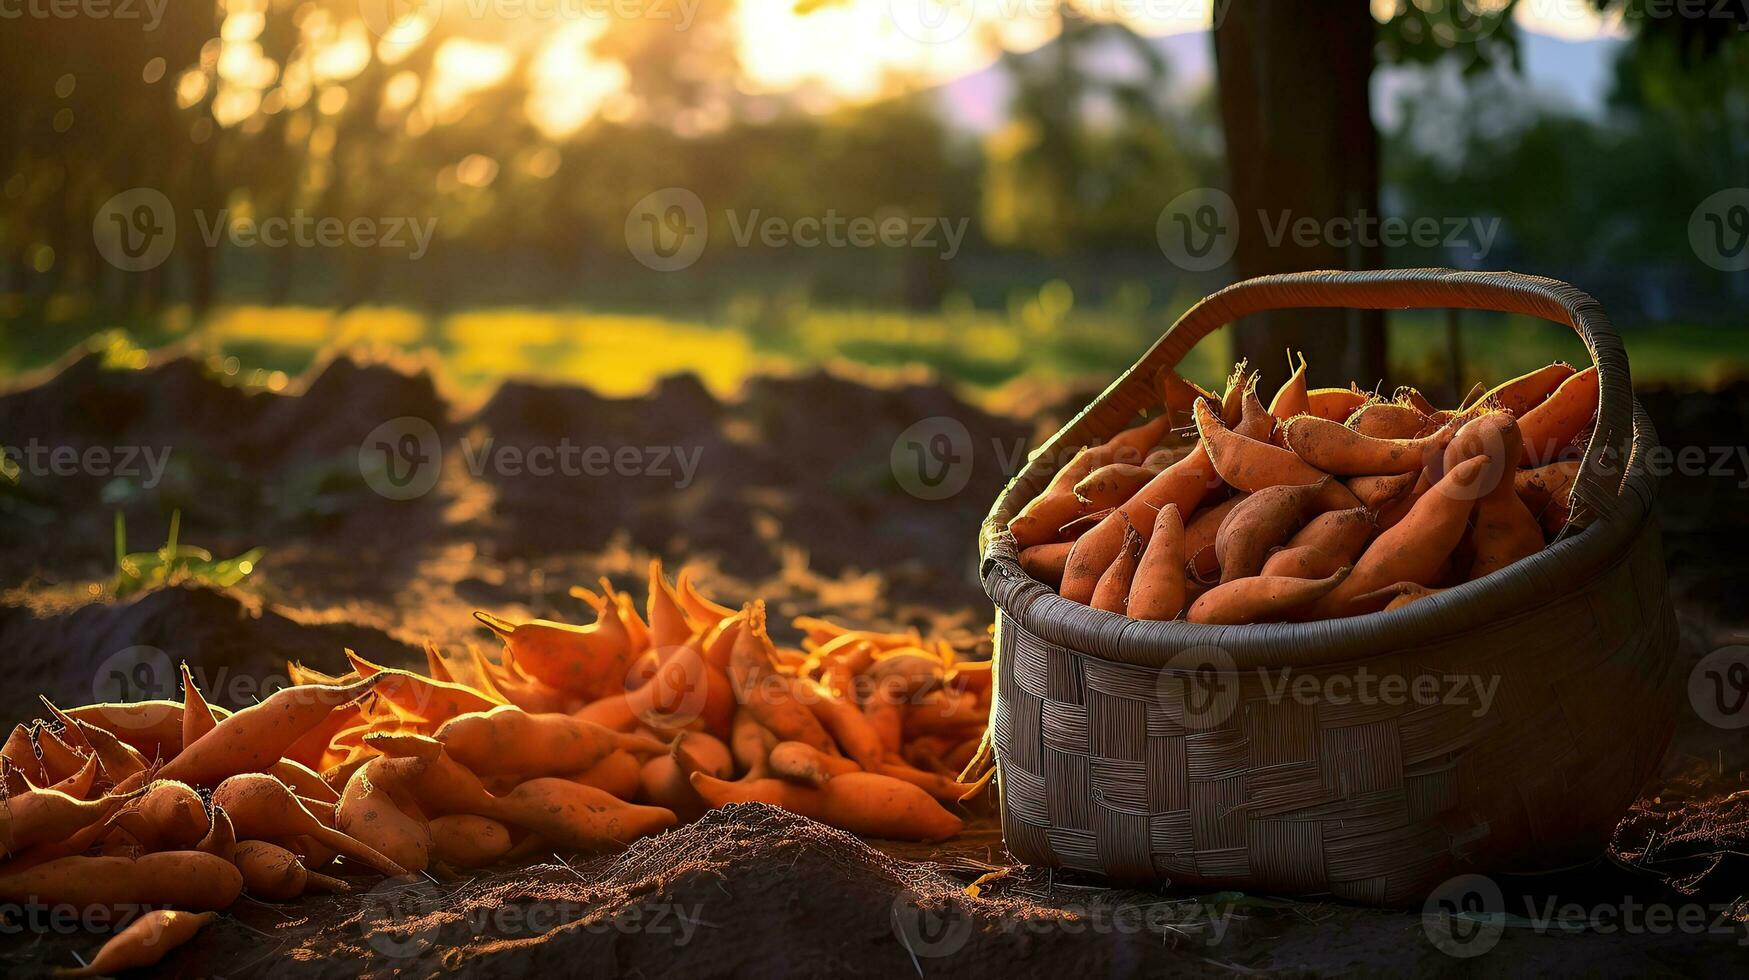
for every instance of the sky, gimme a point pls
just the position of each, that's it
(837, 51)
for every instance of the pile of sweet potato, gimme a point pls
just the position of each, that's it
(1327, 503)
(578, 739)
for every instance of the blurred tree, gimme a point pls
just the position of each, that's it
(1089, 154)
(1301, 140)
(1301, 145)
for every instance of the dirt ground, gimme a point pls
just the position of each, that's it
(796, 492)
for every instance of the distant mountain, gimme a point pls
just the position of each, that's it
(1570, 75)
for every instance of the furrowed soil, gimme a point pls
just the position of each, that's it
(823, 495)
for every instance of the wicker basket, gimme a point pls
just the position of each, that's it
(1253, 757)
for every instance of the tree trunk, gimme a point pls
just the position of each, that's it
(1293, 77)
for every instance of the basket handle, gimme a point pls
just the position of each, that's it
(1602, 470)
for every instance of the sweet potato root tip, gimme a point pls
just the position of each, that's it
(145, 941)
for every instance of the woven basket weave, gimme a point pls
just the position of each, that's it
(1254, 757)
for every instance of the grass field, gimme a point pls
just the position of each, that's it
(1045, 338)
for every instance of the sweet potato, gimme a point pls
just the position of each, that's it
(808, 765)
(1114, 483)
(274, 874)
(1201, 563)
(511, 741)
(153, 727)
(118, 759)
(1335, 448)
(371, 814)
(1260, 598)
(767, 695)
(618, 774)
(197, 718)
(41, 816)
(303, 780)
(751, 742)
(1157, 589)
(433, 700)
(1505, 531)
(1412, 397)
(1335, 404)
(79, 784)
(586, 662)
(1263, 521)
(1133, 445)
(1414, 550)
(1525, 392)
(794, 797)
(1387, 420)
(1177, 394)
(1548, 491)
(168, 816)
(1293, 398)
(686, 691)
(1550, 426)
(875, 805)
(702, 610)
(59, 760)
(1249, 464)
(468, 841)
(145, 941)
(258, 736)
(1328, 542)
(190, 880)
(1183, 484)
(1397, 596)
(261, 808)
(580, 818)
(670, 626)
(884, 708)
(1043, 517)
(221, 837)
(1113, 588)
(509, 684)
(1377, 492)
(848, 726)
(438, 784)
